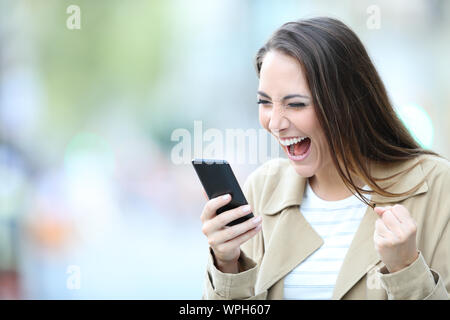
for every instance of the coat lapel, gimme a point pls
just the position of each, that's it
(291, 241)
(289, 238)
(362, 256)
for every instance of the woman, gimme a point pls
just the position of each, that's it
(359, 211)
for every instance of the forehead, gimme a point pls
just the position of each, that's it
(281, 73)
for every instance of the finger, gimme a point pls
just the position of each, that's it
(382, 230)
(378, 240)
(236, 230)
(407, 223)
(381, 210)
(381, 242)
(220, 221)
(226, 217)
(378, 210)
(238, 241)
(210, 208)
(401, 213)
(391, 222)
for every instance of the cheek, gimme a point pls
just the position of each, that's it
(307, 122)
(264, 118)
(303, 122)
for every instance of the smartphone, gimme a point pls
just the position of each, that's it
(218, 179)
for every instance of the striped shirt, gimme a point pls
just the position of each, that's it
(336, 222)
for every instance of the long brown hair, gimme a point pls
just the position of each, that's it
(349, 98)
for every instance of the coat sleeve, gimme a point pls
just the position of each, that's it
(424, 280)
(228, 286)
(416, 282)
(442, 262)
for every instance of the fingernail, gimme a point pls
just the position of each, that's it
(226, 197)
(257, 219)
(246, 208)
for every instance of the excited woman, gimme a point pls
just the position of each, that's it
(358, 210)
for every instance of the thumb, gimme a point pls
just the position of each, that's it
(381, 210)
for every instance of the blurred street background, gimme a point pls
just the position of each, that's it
(92, 203)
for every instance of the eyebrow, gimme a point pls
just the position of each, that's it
(289, 96)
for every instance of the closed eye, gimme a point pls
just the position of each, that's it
(263, 102)
(293, 105)
(297, 105)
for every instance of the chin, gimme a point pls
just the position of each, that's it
(305, 171)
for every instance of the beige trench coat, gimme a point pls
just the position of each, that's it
(275, 192)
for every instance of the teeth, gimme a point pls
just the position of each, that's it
(288, 142)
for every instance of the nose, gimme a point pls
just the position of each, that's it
(278, 122)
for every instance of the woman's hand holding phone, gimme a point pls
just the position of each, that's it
(226, 241)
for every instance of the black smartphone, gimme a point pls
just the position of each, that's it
(218, 179)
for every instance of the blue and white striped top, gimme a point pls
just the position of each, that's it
(336, 222)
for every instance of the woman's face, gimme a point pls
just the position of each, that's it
(286, 110)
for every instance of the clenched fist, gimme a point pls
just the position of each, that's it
(395, 237)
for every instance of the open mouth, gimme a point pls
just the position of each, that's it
(298, 149)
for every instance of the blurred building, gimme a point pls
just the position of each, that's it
(92, 204)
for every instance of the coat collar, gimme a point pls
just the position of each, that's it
(290, 192)
(292, 239)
